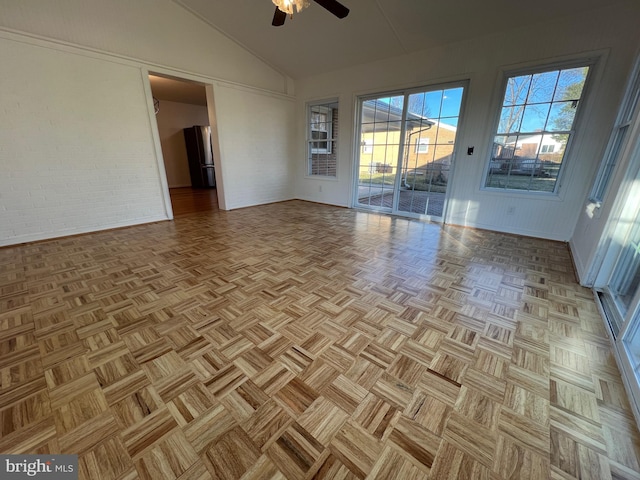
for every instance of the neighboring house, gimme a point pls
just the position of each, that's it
(531, 145)
(428, 143)
(531, 154)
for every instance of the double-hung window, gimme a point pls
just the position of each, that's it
(322, 138)
(537, 121)
(320, 129)
(422, 145)
(619, 136)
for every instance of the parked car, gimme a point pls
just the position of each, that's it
(518, 166)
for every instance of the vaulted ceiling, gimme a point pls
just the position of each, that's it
(315, 41)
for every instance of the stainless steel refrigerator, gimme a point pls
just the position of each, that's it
(200, 154)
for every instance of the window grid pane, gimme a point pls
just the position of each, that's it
(322, 132)
(618, 138)
(536, 123)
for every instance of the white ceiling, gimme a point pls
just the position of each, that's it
(315, 41)
(182, 91)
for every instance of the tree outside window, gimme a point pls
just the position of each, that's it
(537, 120)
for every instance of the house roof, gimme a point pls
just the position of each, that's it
(378, 110)
(532, 138)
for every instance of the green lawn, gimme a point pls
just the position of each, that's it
(421, 183)
(367, 178)
(521, 182)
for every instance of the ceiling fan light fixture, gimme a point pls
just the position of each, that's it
(291, 6)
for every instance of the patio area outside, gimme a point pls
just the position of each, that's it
(410, 201)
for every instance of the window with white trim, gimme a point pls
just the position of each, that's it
(619, 136)
(536, 123)
(422, 145)
(322, 138)
(320, 129)
(547, 149)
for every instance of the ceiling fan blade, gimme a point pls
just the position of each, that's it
(278, 18)
(334, 7)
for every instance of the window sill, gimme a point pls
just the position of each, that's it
(321, 177)
(554, 196)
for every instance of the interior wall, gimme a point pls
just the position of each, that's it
(256, 131)
(77, 154)
(172, 118)
(610, 32)
(596, 242)
(157, 32)
(79, 147)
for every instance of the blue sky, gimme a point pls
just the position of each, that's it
(443, 105)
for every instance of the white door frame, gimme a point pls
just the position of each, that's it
(213, 122)
(398, 175)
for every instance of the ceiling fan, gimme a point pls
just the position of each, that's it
(288, 7)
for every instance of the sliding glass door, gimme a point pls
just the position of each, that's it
(618, 281)
(631, 349)
(625, 280)
(621, 298)
(407, 144)
(380, 134)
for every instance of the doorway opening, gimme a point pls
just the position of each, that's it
(407, 146)
(182, 116)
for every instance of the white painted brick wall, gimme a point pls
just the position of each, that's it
(76, 150)
(256, 137)
(159, 32)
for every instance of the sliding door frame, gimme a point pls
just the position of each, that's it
(406, 93)
(624, 212)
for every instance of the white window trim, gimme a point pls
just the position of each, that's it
(329, 114)
(590, 61)
(622, 126)
(331, 107)
(422, 145)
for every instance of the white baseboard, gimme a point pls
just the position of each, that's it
(36, 237)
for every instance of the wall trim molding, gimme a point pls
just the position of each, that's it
(76, 49)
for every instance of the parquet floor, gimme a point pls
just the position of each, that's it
(191, 200)
(303, 341)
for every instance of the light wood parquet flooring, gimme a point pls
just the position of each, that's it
(302, 341)
(190, 200)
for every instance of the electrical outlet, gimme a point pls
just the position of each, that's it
(511, 210)
(320, 188)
